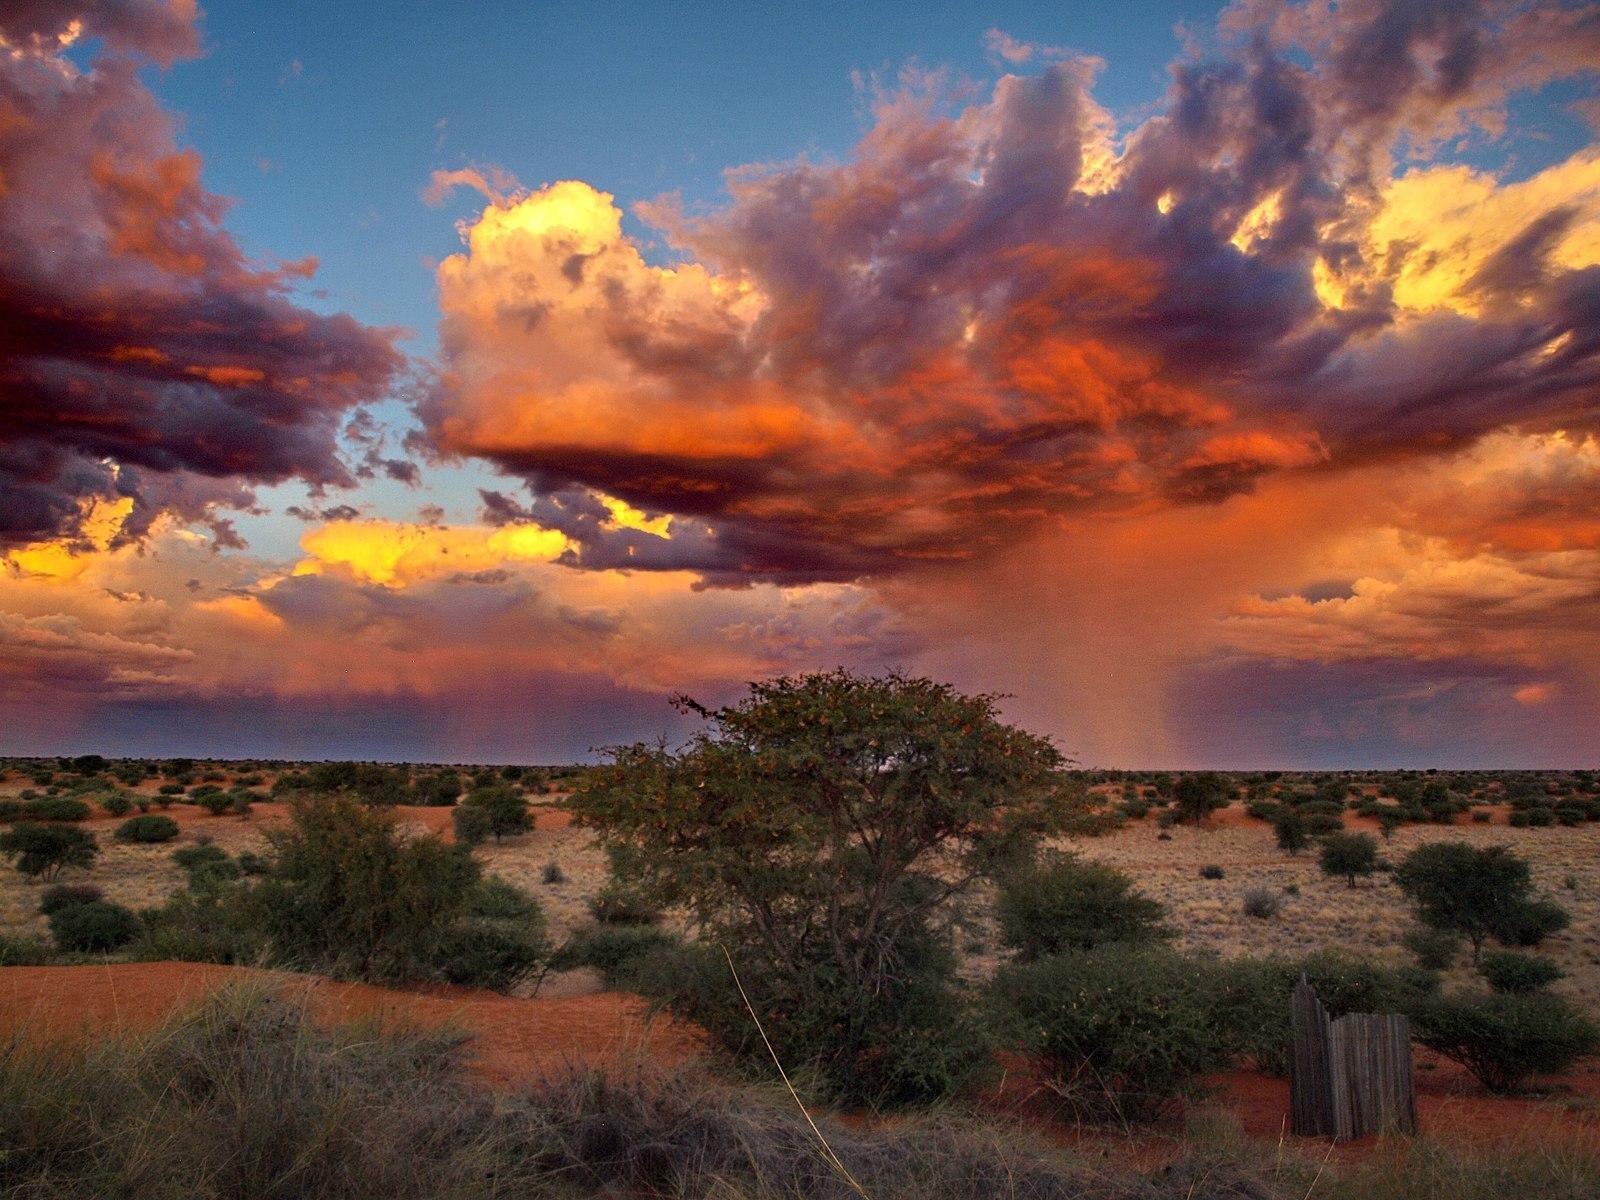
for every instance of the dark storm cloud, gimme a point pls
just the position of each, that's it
(141, 354)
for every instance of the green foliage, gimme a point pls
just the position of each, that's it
(1505, 1038)
(1350, 855)
(149, 827)
(93, 928)
(1289, 827)
(43, 851)
(1479, 893)
(64, 895)
(1435, 949)
(472, 825)
(348, 896)
(370, 783)
(214, 802)
(52, 808)
(615, 952)
(1513, 971)
(205, 861)
(1064, 902)
(824, 829)
(1252, 1001)
(117, 804)
(504, 805)
(23, 952)
(1125, 1031)
(1198, 794)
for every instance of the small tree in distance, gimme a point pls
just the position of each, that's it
(821, 832)
(1198, 794)
(1479, 893)
(504, 806)
(43, 851)
(1290, 828)
(1350, 855)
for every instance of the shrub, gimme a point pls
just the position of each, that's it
(214, 802)
(1479, 893)
(824, 829)
(552, 874)
(1212, 871)
(1125, 1031)
(147, 828)
(116, 804)
(1262, 903)
(491, 954)
(1511, 971)
(1067, 903)
(1198, 794)
(64, 895)
(93, 928)
(43, 851)
(505, 806)
(170, 789)
(613, 951)
(616, 904)
(22, 952)
(1289, 827)
(1435, 949)
(206, 861)
(472, 825)
(55, 808)
(1350, 855)
(1505, 1038)
(251, 863)
(1252, 1005)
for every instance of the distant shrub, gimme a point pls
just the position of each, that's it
(1479, 893)
(1289, 828)
(1505, 1038)
(1350, 855)
(1435, 949)
(472, 825)
(251, 863)
(64, 895)
(150, 827)
(206, 861)
(24, 952)
(552, 874)
(505, 806)
(43, 851)
(1512, 971)
(1198, 794)
(491, 954)
(615, 952)
(55, 808)
(1322, 824)
(1212, 871)
(170, 789)
(116, 804)
(1262, 903)
(617, 904)
(216, 803)
(1068, 903)
(93, 928)
(1124, 1031)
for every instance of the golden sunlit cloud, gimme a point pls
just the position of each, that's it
(394, 553)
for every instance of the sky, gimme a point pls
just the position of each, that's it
(1218, 384)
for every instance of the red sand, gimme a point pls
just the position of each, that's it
(515, 1040)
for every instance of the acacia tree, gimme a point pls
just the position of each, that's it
(42, 851)
(824, 828)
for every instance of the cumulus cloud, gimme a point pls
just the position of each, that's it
(141, 354)
(983, 324)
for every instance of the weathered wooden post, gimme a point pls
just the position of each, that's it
(1350, 1077)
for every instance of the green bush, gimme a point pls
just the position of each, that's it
(64, 895)
(505, 806)
(22, 952)
(615, 952)
(472, 825)
(214, 802)
(150, 827)
(55, 808)
(1505, 1038)
(203, 860)
(491, 954)
(43, 851)
(1065, 902)
(1289, 828)
(1531, 922)
(117, 804)
(1124, 1030)
(1479, 893)
(1512, 971)
(1350, 855)
(1435, 949)
(1252, 999)
(93, 928)
(1198, 794)
(1262, 903)
(617, 904)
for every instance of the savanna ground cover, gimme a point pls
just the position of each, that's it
(1207, 852)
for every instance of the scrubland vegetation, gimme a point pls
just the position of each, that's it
(870, 893)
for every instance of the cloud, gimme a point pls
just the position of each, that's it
(141, 354)
(984, 325)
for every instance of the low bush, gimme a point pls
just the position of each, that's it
(1065, 902)
(204, 860)
(1506, 1038)
(1125, 1031)
(93, 928)
(1435, 949)
(472, 825)
(615, 952)
(64, 895)
(1212, 871)
(51, 808)
(22, 952)
(44, 851)
(615, 904)
(1262, 904)
(116, 804)
(552, 874)
(1512, 971)
(148, 828)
